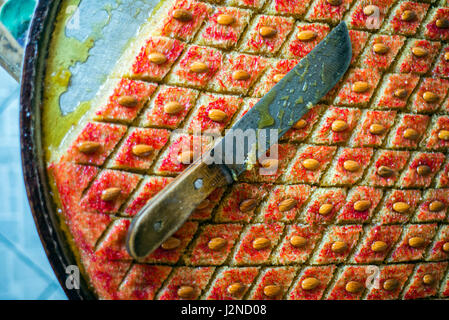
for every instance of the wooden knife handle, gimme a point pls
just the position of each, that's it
(169, 209)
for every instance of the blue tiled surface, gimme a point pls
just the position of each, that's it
(25, 272)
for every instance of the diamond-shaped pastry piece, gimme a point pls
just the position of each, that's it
(241, 202)
(302, 129)
(438, 136)
(437, 24)
(169, 107)
(336, 125)
(358, 42)
(224, 27)
(414, 243)
(398, 206)
(124, 100)
(406, 18)
(390, 282)
(441, 68)
(440, 247)
(239, 73)
(297, 46)
(350, 284)
(381, 51)
(386, 167)
(426, 280)
(326, 11)
(284, 203)
(337, 244)
(232, 283)
(266, 34)
(196, 67)
(358, 88)
(422, 170)
(273, 283)
(376, 245)
(298, 244)
(395, 90)
(309, 164)
(312, 283)
(417, 56)
(186, 283)
(323, 206)
(202, 120)
(348, 166)
(408, 132)
(87, 228)
(279, 69)
(434, 205)
(291, 7)
(109, 191)
(139, 149)
(143, 281)
(256, 244)
(113, 246)
(430, 95)
(95, 143)
(186, 26)
(372, 128)
(360, 205)
(442, 179)
(368, 15)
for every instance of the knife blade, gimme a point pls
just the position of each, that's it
(290, 99)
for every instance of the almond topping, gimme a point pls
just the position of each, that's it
(89, 147)
(127, 101)
(185, 292)
(423, 170)
(351, 166)
(217, 115)
(428, 279)
(436, 206)
(419, 51)
(278, 77)
(235, 289)
(272, 291)
(173, 107)
(185, 157)
(379, 246)
(339, 246)
(171, 243)
(310, 283)
(400, 93)
(298, 242)
(225, 19)
(430, 97)
(248, 205)
(411, 134)
(442, 23)
(443, 135)
(157, 58)
(408, 15)
(369, 9)
(339, 126)
(110, 194)
(142, 150)
(416, 242)
(385, 172)
(325, 209)
(446, 56)
(270, 163)
(307, 35)
(401, 207)
(267, 32)
(446, 247)
(241, 75)
(261, 243)
(380, 48)
(199, 67)
(311, 164)
(300, 124)
(216, 244)
(334, 2)
(182, 15)
(377, 129)
(203, 205)
(390, 284)
(362, 205)
(360, 86)
(354, 287)
(287, 204)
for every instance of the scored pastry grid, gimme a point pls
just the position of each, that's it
(117, 252)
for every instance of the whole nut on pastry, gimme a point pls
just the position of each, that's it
(377, 129)
(310, 283)
(428, 279)
(267, 32)
(325, 209)
(203, 205)
(182, 15)
(446, 56)
(442, 23)
(401, 207)
(430, 97)
(416, 242)
(128, 101)
(171, 243)
(287, 204)
(445, 247)
(360, 86)
(443, 135)
(241, 75)
(300, 124)
(334, 2)
(419, 51)
(400, 93)
(110, 194)
(307, 35)
(339, 246)
(362, 205)
(186, 157)
(436, 206)
(173, 107)
(423, 170)
(390, 284)
(298, 241)
(235, 289)
(385, 172)
(199, 67)
(186, 292)
(270, 163)
(339, 126)
(354, 287)
(370, 9)
(408, 16)
(379, 246)
(157, 58)
(351, 166)
(380, 48)
(261, 243)
(216, 244)
(89, 147)
(225, 19)
(278, 78)
(217, 115)
(142, 150)
(248, 205)
(411, 134)
(311, 164)
(272, 291)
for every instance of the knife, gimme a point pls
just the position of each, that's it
(290, 99)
